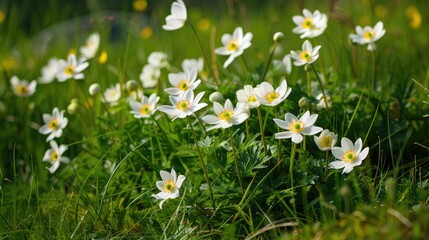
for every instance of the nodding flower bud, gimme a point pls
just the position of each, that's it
(304, 103)
(94, 89)
(73, 106)
(216, 97)
(278, 36)
(132, 85)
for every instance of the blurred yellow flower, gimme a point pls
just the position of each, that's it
(103, 57)
(2, 16)
(203, 24)
(380, 10)
(140, 5)
(9, 64)
(414, 16)
(146, 33)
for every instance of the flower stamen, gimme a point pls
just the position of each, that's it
(307, 23)
(69, 70)
(232, 45)
(169, 186)
(226, 115)
(271, 96)
(349, 156)
(53, 124)
(296, 126)
(145, 109)
(305, 55)
(182, 105)
(183, 85)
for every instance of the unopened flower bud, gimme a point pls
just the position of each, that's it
(94, 89)
(73, 107)
(132, 85)
(304, 103)
(278, 36)
(216, 97)
(307, 68)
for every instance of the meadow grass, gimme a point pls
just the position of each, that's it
(237, 184)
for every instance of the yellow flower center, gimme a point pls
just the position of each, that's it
(54, 156)
(296, 126)
(112, 93)
(103, 57)
(53, 124)
(22, 89)
(183, 85)
(182, 105)
(232, 45)
(226, 115)
(169, 186)
(307, 23)
(326, 141)
(305, 55)
(368, 35)
(69, 70)
(271, 96)
(349, 156)
(252, 98)
(145, 109)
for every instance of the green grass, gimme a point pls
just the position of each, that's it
(105, 191)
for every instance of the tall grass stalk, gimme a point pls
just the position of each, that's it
(234, 152)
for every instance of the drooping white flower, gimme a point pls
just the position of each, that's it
(158, 59)
(55, 156)
(183, 105)
(146, 107)
(283, 66)
(310, 25)
(368, 35)
(297, 127)
(112, 94)
(54, 124)
(150, 76)
(177, 18)
(234, 45)
(326, 140)
(22, 88)
(72, 68)
(169, 186)
(307, 55)
(349, 155)
(287, 61)
(193, 63)
(267, 96)
(247, 96)
(226, 116)
(50, 71)
(90, 48)
(183, 81)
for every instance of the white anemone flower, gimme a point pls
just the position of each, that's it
(169, 186)
(183, 81)
(326, 140)
(72, 68)
(55, 156)
(113, 94)
(22, 88)
(183, 105)
(158, 59)
(54, 124)
(234, 45)
(247, 96)
(177, 18)
(146, 107)
(297, 127)
(90, 49)
(150, 76)
(193, 63)
(310, 25)
(307, 55)
(50, 71)
(349, 155)
(368, 35)
(226, 116)
(321, 104)
(267, 96)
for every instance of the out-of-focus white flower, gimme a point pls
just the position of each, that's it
(310, 25)
(226, 116)
(94, 89)
(321, 104)
(349, 155)
(90, 49)
(50, 71)
(247, 96)
(158, 59)
(72, 68)
(326, 140)
(368, 35)
(183, 105)
(183, 81)
(193, 63)
(267, 96)
(54, 124)
(216, 97)
(55, 156)
(169, 186)
(112, 94)
(177, 18)
(22, 88)
(297, 127)
(307, 55)
(234, 45)
(146, 107)
(150, 76)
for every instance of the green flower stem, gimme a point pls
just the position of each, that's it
(308, 83)
(269, 61)
(321, 86)
(261, 127)
(354, 61)
(206, 176)
(326, 164)
(244, 66)
(234, 152)
(247, 128)
(292, 160)
(373, 70)
(202, 125)
(356, 185)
